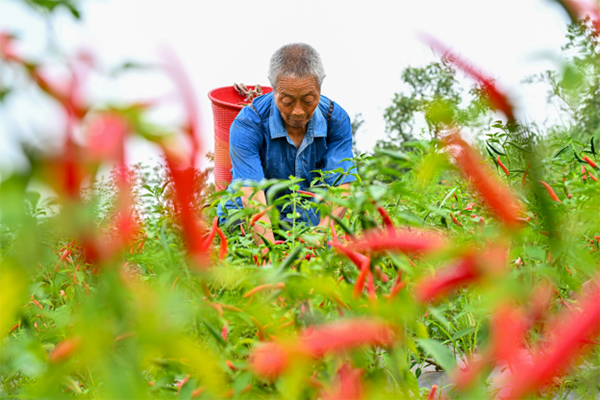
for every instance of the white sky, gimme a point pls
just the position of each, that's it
(364, 47)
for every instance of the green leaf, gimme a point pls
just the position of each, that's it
(278, 187)
(342, 225)
(440, 353)
(515, 145)
(214, 332)
(461, 333)
(287, 263)
(447, 197)
(559, 152)
(396, 155)
(377, 191)
(494, 149)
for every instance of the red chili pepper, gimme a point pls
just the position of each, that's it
(387, 221)
(6, 48)
(568, 337)
(590, 162)
(371, 285)
(223, 249)
(267, 286)
(311, 194)
(184, 182)
(270, 360)
(396, 287)
(524, 178)
(360, 280)
(36, 302)
(347, 384)
(357, 258)
(502, 166)
(260, 329)
(346, 334)
(592, 176)
(550, 191)
(64, 350)
(259, 216)
(455, 220)
(401, 240)
(106, 135)
(498, 100)
(64, 255)
(182, 382)
(466, 270)
(230, 365)
(211, 235)
(13, 328)
(497, 196)
(334, 235)
(431, 395)
(381, 275)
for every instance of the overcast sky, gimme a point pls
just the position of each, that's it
(364, 47)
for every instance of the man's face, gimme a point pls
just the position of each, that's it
(297, 99)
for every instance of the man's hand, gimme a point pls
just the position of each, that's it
(258, 228)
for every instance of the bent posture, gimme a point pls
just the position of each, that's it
(292, 131)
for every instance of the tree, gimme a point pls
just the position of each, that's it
(576, 89)
(435, 96)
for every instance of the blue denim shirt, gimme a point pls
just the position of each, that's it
(260, 148)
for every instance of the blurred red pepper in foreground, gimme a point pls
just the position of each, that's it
(347, 385)
(106, 138)
(578, 10)
(465, 271)
(568, 339)
(64, 350)
(345, 335)
(272, 359)
(193, 229)
(497, 196)
(497, 99)
(7, 50)
(471, 267)
(506, 345)
(401, 240)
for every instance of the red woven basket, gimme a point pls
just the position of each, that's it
(226, 105)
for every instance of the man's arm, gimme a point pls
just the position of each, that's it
(267, 233)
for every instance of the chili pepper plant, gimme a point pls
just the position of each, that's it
(476, 258)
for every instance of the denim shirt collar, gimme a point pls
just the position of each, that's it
(317, 126)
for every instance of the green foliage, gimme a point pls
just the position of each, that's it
(434, 97)
(575, 89)
(104, 292)
(50, 6)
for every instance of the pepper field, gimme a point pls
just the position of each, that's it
(477, 259)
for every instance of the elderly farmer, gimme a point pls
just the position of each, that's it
(292, 131)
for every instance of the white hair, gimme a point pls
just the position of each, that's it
(296, 60)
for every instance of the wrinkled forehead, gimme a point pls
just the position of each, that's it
(297, 86)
